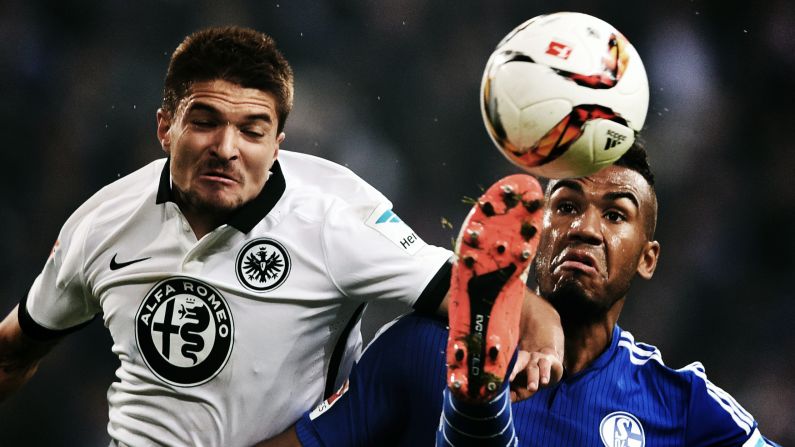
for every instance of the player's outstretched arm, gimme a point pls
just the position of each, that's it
(19, 354)
(541, 345)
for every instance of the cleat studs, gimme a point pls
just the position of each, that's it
(532, 205)
(528, 231)
(511, 199)
(457, 384)
(459, 355)
(469, 261)
(507, 189)
(473, 237)
(488, 209)
(491, 386)
(501, 248)
(493, 353)
(525, 254)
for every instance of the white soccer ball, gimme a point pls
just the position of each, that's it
(563, 95)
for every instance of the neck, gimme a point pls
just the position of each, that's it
(587, 341)
(202, 223)
(202, 220)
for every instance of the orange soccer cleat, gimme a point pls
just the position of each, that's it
(494, 250)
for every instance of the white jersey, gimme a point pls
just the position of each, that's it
(226, 340)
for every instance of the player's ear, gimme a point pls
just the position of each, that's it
(647, 262)
(163, 128)
(279, 140)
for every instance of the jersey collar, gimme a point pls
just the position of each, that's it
(247, 216)
(599, 362)
(605, 357)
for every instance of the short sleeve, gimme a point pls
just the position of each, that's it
(372, 254)
(715, 418)
(57, 302)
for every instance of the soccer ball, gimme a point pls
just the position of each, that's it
(563, 95)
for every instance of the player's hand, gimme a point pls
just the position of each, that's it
(534, 370)
(540, 352)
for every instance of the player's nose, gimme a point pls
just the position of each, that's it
(587, 227)
(225, 145)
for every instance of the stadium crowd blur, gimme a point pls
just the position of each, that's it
(390, 88)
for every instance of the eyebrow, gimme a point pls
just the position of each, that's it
(612, 196)
(202, 107)
(566, 184)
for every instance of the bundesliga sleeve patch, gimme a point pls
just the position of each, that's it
(386, 222)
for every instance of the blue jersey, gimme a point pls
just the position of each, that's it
(626, 398)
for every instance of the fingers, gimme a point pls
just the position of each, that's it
(556, 370)
(522, 360)
(519, 389)
(533, 371)
(544, 371)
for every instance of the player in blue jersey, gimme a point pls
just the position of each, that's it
(597, 236)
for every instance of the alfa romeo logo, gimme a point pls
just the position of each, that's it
(185, 331)
(263, 264)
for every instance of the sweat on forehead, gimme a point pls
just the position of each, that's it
(611, 177)
(615, 182)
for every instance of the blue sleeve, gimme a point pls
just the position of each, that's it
(393, 395)
(716, 419)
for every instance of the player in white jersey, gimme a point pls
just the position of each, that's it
(230, 274)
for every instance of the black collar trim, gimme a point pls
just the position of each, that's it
(164, 189)
(250, 214)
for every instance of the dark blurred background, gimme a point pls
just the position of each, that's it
(390, 89)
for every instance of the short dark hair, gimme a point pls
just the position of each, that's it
(636, 158)
(235, 54)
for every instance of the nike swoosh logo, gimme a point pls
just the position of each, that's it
(119, 265)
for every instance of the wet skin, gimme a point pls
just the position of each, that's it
(595, 239)
(222, 140)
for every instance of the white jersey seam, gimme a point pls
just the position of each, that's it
(324, 249)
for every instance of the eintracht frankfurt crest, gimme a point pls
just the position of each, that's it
(184, 331)
(263, 264)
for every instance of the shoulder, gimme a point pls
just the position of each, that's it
(645, 362)
(117, 199)
(638, 353)
(710, 413)
(324, 177)
(321, 190)
(712, 403)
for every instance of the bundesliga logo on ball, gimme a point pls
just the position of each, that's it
(563, 95)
